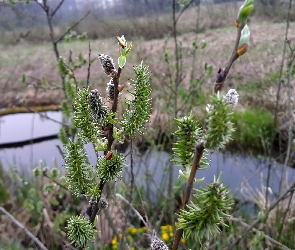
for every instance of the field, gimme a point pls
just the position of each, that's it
(255, 75)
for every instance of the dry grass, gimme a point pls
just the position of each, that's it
(260, 62)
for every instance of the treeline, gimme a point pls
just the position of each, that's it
(27, 13)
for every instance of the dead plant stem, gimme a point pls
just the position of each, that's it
(282, 63)
(258, 220)
(26, 231)
(258, 231)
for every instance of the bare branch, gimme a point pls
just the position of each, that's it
(42, 6)
(56, 9)
(222, 74)
(73, 26)
(135, 211)
(184, 9)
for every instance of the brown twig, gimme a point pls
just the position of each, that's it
(222, 74)
(94, 210)
(27, 232)
(189, 186)
(116, 80)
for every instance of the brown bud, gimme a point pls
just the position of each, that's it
(109, 155)
(121, 42)
(242, 49)
(120, 88)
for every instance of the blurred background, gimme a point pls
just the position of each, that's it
(184, 43)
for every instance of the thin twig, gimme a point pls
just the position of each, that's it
(60, 151)
(183, 9)
(130, 195)
(57, 7)
(282, 63)
(285, 215)
(73, 26)
(27, 232)
(134, 210)
(55, 181)
(44, 116)
(36, 1)
(221, 76)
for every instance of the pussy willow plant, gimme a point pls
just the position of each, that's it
(198, 218)
(96, 122)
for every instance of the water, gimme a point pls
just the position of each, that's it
(19, 127)
(236, 170)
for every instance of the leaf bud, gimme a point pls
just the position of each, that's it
(244, 11)
(244, 41)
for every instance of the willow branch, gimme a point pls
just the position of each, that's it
(102, 183)
(116, 80)
(189, 186)
(222, 74)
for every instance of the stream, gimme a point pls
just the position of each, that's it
(237, 170)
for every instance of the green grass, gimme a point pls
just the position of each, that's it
(254, 130)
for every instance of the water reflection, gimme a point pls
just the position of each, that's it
(19, 127)
(236, 171)
(148, 166)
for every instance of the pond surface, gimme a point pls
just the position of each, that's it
(236, 169)
(19, 127)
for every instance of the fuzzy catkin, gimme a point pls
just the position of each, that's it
(107, 64)
(96, 105)
(158, 244)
